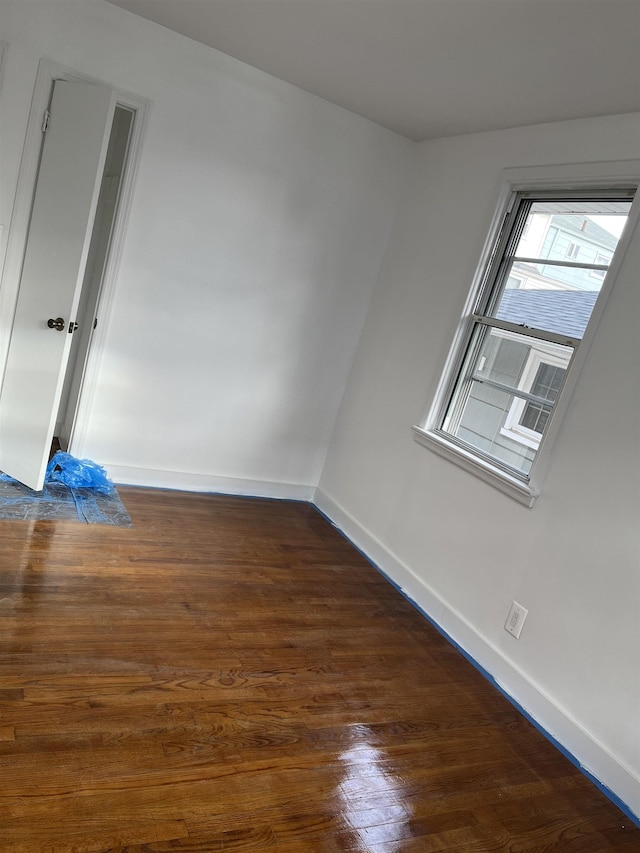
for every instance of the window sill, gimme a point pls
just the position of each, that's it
(511, 486)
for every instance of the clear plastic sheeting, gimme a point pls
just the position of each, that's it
(60, 502)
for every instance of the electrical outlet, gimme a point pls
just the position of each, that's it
(515, 619)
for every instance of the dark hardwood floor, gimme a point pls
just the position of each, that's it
(231, 675)
(55, 447)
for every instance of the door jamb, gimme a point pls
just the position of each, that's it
(48, 73)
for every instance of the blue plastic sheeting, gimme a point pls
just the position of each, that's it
(59, 502)
(77, 473)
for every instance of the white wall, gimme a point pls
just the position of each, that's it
(459, 547)
(258, 225)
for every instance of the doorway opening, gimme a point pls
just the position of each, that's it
(101, 237)
(74, 192)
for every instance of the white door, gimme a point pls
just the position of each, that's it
(65, 200)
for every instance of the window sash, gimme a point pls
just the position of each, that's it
(528, 331)
(504, 254)
(514, 392)
(552, 262)
(464, 393)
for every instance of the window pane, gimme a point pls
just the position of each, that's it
(565, 312)
(492, 401)
(543, 276)
(502, 358)
(547, 382)
(590, 226)
(556, 292)
(535, 417)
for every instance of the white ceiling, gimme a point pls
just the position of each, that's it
(430, 68)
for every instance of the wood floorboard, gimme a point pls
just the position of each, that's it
(229, 674)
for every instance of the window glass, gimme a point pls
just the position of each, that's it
(503, 378)
(560, 261)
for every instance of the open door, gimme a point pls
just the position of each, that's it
(64, 206)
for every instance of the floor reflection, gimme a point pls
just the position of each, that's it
(25, 577)
(59, 502)
(371, 796)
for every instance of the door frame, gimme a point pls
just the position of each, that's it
(48, 73)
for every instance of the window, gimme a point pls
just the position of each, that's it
(514, 282)
(604, 261)
(532, 305)
(547, 384)
(541, 380)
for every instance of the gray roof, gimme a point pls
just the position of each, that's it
(565, 312)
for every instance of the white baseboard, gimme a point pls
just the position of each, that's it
(187, 482)
(618, 781)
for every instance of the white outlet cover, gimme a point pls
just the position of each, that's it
(515, 619)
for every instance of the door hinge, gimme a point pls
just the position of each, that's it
(45, 121)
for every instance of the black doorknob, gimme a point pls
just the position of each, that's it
(58, 323)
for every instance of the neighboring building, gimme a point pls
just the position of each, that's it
(562, 237)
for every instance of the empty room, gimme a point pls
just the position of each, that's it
(342, 297)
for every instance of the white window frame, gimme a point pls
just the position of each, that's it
(620, 175)
(600, 259)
